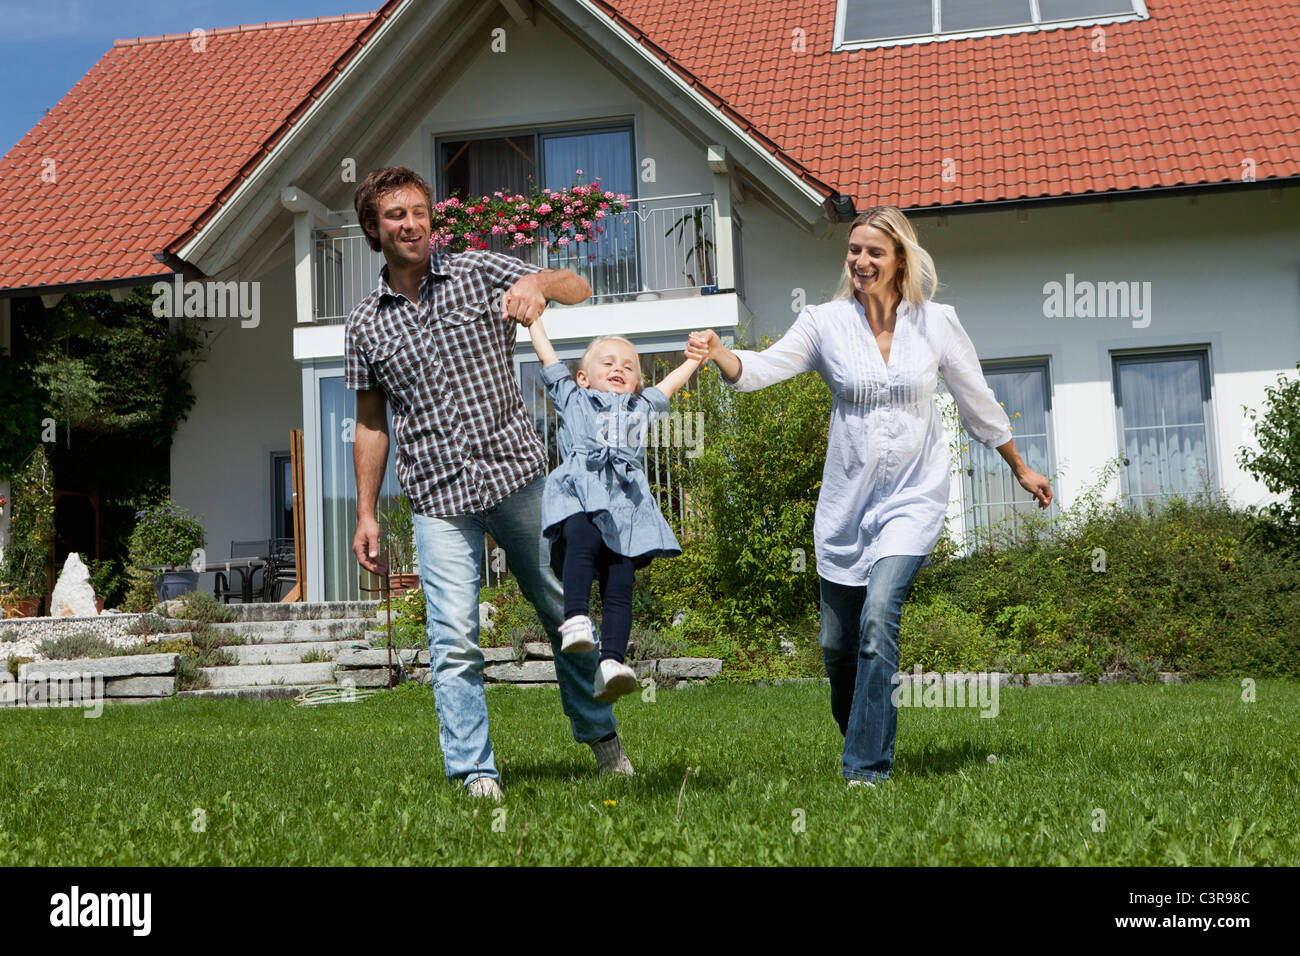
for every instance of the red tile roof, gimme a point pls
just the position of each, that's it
(147, 141)
(157, 136)
(1185, 97)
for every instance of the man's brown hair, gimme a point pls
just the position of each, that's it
(379, 182)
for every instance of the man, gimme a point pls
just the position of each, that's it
(429, 341)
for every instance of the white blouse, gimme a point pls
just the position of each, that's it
(885, 484)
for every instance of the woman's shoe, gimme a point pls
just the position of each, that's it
(578, 635)
(613, 680)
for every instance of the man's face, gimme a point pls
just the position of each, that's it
(404, 227)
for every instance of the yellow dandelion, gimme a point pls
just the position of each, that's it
(611, 803)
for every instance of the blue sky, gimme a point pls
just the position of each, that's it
(46, 46)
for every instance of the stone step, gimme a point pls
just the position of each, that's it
(297, 631)
(235, 675)
(249, 692)
(303, 611)
(379, 640)
(287, 653)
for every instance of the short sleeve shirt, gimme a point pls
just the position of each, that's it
(446, 365)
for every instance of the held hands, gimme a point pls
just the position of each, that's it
(1036, 485)
(701, 345)
(523, 301)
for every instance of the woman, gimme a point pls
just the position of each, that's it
(880, 345)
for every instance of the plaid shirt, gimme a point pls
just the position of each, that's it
(462, 436)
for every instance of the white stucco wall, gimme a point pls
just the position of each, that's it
(248, 398)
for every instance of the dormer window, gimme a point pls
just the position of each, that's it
(872, 23)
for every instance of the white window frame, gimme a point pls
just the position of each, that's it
(1139, 13)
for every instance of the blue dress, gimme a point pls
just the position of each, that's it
(602, 469)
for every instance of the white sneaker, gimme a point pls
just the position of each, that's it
(610, 757)
(578, 635)
(613, 680)
(861, 783)
(485, 788)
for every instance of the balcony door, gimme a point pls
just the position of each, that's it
(515, 163)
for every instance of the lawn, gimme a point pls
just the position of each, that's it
(1184, 774)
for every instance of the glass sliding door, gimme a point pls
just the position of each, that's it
(338, 411)
(609, 261)
(1163, 412)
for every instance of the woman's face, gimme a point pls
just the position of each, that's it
(872, 261)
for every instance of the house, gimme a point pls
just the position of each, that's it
(1108, 188)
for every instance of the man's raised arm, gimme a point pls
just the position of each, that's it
(369, 458)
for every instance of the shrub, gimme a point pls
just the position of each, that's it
(203, 607)
(70, 647)
(31, 527)
(1276, 464)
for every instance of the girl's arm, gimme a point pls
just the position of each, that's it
(678, 377)
(541, 344)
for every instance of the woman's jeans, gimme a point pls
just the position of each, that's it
(451, 560)
(859, 639)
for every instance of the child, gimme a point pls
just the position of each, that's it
(597, 510)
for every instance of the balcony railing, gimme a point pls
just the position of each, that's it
(661, 246)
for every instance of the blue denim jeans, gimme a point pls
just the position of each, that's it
(859, 639)
(451, 556)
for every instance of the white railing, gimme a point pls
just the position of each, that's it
(662, 245)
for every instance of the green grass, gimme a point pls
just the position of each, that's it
(1185, 774)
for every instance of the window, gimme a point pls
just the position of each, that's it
(1163, 413)
(550, 159)
(994, 497)
(880, 22)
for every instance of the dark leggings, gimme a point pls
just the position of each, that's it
(586, 556)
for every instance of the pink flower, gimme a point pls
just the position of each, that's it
(498, 230)
(579, 238)
(543, 209)
(578, 171)
(519, 237)
(604, 205)
(563, 242)
(609, 195)
(533, 224)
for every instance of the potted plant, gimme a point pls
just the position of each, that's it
(166, 535)
(397, 538)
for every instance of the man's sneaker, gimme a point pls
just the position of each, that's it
(613, 680)
(485, 788)
(578, 635)
(610, 757)
(862, 783)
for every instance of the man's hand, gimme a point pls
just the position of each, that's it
(524, 301)
(365, 545)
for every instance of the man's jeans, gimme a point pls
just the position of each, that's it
(451, 555)
(859, 639)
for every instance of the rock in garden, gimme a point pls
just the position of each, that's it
(485, 614)
(73, 595)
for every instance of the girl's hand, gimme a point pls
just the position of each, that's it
(1036, 485)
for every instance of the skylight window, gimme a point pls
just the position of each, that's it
(861, 23)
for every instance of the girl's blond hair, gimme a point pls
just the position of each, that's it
(916, 278)
(586, 356)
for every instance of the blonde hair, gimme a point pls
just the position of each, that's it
(916, 278)
(586, 356)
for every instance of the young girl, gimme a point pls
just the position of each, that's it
(597, 511)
